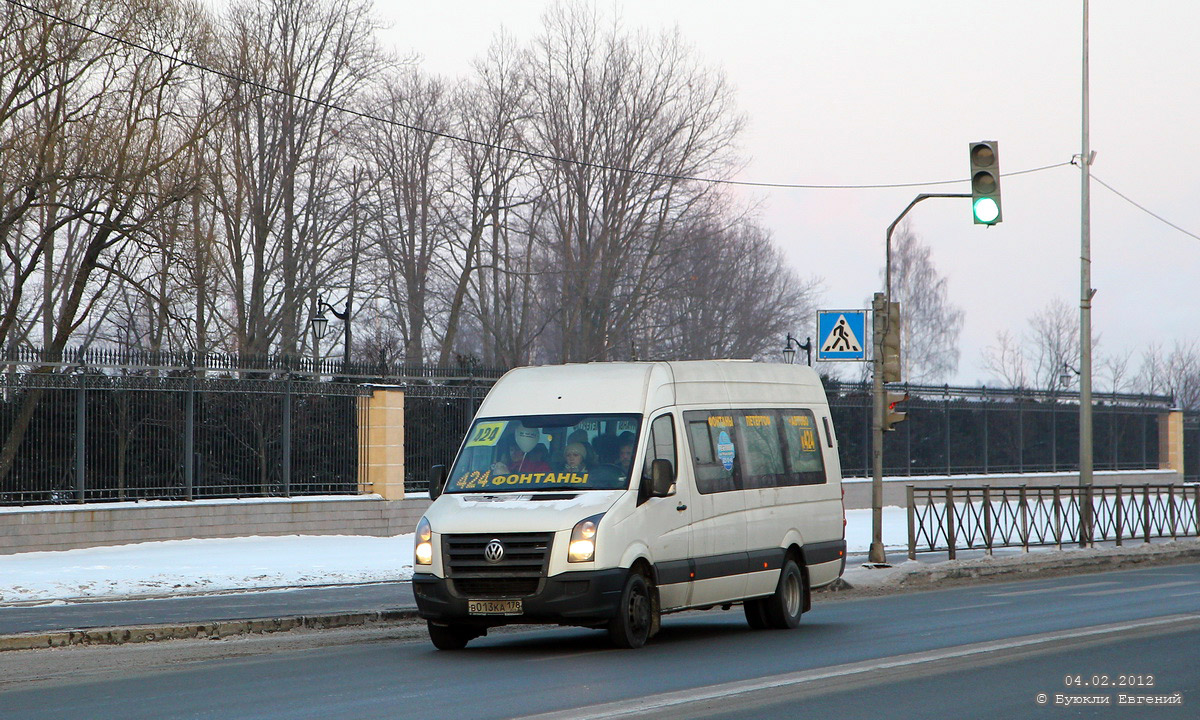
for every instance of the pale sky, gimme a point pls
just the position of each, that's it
(893, 92)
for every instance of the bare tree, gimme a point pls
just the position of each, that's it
(411, 227)
(605, 100)
(1116, 368)
(119, 163)
(53, 76)
(279, 157)
(930, 323)
(1049, 345)
(494, 274)
(1176, 374)
(731, 295)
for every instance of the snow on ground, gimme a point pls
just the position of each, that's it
(182, 567)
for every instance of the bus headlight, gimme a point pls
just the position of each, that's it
(583, 540)
(424, 547)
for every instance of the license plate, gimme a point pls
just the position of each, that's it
(494, 607)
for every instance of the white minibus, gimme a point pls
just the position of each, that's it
(606, 494)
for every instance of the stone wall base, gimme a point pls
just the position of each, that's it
(65, 527)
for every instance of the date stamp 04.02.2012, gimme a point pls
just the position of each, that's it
(1122, 689)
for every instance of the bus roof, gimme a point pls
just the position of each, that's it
(630, 387)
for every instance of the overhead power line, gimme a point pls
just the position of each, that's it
(493, 146)
(1143, 208)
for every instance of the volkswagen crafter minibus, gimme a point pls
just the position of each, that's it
(605, 495)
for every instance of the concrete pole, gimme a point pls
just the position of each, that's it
(1085, 314)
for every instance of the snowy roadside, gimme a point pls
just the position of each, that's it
(189, 567)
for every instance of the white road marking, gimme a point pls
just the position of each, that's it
(971, 607)
(1060, 588)
(647, 706)
(1121, 591)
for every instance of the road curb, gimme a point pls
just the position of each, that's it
(1056, 565)
(203, 631)
(1024, 567)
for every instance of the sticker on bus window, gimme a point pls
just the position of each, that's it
(725, 450)
(808, 441)
(487, 434)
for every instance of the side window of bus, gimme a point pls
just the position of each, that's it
(660, 445)
(715, 450)
(805, 465)
(762, 456)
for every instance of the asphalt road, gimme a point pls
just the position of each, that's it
(207, 608)
(962, 639)
(77, 615)
(1025, 685)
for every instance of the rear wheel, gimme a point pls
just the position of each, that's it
(783, 609)
(755, 615)
(450, 637)
(631, 626)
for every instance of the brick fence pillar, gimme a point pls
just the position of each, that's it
(381, 444)
(1170, 441)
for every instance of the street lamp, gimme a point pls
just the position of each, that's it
(1064, 375)
(789, 352)
(320, 325)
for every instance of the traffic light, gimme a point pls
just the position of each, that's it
(891, 345)
(891, 415)
(985, 182)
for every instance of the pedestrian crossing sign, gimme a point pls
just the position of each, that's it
(841, 335)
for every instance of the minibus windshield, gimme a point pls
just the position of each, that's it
(546, 452)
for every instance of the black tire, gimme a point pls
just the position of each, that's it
(450, 637)
(783, 609)
(755, 614)
(630, 627)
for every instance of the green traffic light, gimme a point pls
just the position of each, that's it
(986, 210)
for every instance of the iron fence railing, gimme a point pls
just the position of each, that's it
(89, 436)
(960, 518)
(955, 431)
(137, 405)
(436, 418)
(174, 362)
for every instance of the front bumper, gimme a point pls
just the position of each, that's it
(573, 598)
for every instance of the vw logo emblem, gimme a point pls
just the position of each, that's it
(493, 552)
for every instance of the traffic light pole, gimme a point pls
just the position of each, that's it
(879, 324)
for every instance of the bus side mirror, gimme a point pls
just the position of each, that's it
(662, 478)
(437, 480)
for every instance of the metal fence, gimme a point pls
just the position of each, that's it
(277, 365)
(93, 436)
(436, 418)
(135, 425)
(958, 518)
(956, 431)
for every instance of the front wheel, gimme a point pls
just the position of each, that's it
(450, 637)
(783, 609)
(630, 627)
